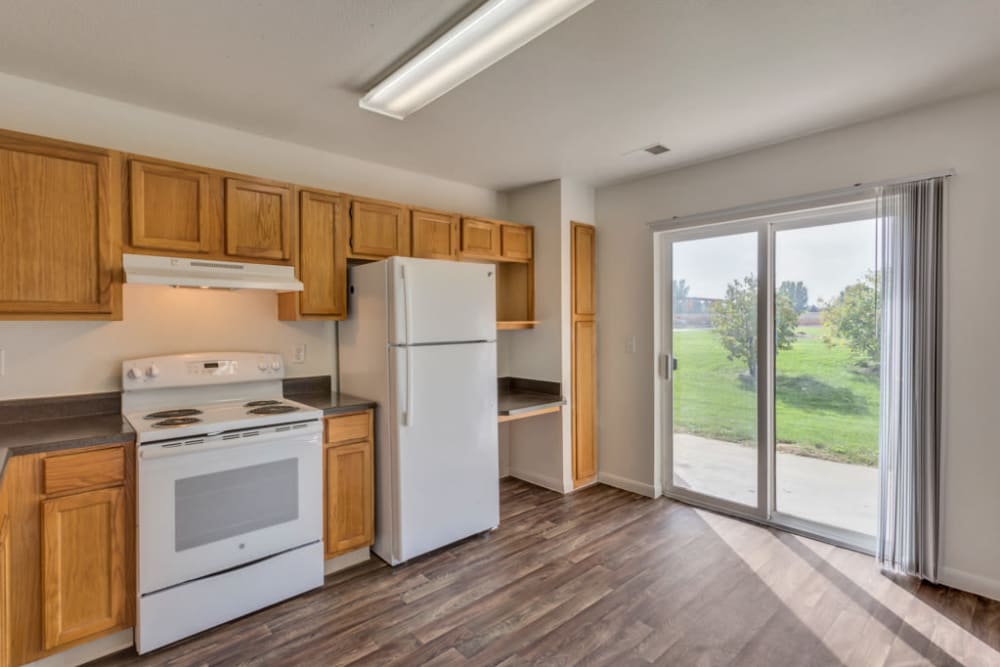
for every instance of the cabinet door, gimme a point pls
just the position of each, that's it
(435, 235)
(323, 255)
(349, 497)
(60, 229)
(379, 229)
(258, 219)
(516, 241)
(4, 591)
(170, 207)
(583, 270)
(480, 238)
(584, 400)
(83, 565)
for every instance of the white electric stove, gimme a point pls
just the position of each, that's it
(229, 490)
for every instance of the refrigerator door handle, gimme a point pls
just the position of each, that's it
(407, 318)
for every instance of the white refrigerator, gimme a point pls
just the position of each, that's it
(421, 342)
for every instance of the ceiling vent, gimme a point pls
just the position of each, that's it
(656, 149)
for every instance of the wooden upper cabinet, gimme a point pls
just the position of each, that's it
(480, 238)
(379, 229)
(170, 207)
(516, 241)
(583, 270)
(83, 565)
(322, 255)
(60, 230)
(258, 219)
(435, 235)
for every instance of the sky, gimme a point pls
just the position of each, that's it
(826, 258)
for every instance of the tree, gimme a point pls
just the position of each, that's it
(734, 318)
(796, 293)
(681, 291)
(854, 318)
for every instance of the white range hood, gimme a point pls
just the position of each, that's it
(185, 272)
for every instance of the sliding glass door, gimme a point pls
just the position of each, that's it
(715, 368)
(770, 369)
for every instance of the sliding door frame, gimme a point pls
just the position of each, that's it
(766, 229)
(665, 360)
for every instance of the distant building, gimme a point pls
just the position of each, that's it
(694, 305)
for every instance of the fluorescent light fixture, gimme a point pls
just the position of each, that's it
(492, 32)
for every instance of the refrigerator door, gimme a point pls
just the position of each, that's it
(444, 424)
(437, 301)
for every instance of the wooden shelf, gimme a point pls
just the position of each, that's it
(507, 325)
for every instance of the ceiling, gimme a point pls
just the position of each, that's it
(704, 77)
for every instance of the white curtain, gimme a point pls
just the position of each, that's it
(911, 220)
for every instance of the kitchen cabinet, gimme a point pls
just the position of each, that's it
(435, 234)
(379, 229)
(170, 207)
(4, 579)
(258, 219)
(584, 354)
(83, 565)
(73, 548)
(480, 238)
(322, 260)
(348, 483)
(60, 230)
(516, 241)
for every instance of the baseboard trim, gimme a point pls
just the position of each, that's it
(84, 653)
(971, 583)
(346, 560)
(626, 484)
(550, 483)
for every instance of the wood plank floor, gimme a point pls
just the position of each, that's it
(605, 577)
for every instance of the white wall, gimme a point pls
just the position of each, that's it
(540, 448)
(48, 358)
(963, 134)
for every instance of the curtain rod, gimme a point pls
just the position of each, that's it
(786, 204)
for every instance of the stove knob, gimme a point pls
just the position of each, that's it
(152, 371)
(276, 365)
(134, 373)
(262, 365)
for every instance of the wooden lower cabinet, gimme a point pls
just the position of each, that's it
(73, 551)
(348, 484)
(4, 582)
(83, 565)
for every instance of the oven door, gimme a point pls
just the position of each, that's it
(218, 504)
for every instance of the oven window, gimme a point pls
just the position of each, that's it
(225, 504)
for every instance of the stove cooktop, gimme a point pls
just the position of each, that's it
(217, 417)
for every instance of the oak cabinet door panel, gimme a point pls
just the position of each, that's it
(258, 220)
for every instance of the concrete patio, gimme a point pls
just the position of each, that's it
(839, 494)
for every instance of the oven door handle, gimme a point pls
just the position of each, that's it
(151, 452)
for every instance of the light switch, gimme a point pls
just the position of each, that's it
(630, 345)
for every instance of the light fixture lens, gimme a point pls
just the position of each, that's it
(492, 32)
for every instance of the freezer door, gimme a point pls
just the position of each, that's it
(445, 428)
(437, 301)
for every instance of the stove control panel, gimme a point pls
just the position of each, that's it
(184, 370)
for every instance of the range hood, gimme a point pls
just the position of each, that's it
(185, 272)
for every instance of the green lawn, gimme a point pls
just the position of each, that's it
(826, 406)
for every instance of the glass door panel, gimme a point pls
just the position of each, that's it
(826, 389)
(715, 367)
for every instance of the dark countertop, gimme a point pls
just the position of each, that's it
(518, 395)
(30, 426)
(332, 403)
(46, 435)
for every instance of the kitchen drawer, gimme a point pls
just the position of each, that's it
(72, 472)
(348, 428)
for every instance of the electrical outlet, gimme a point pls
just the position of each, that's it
(300, 353)
(630, 345)
(3, 362)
